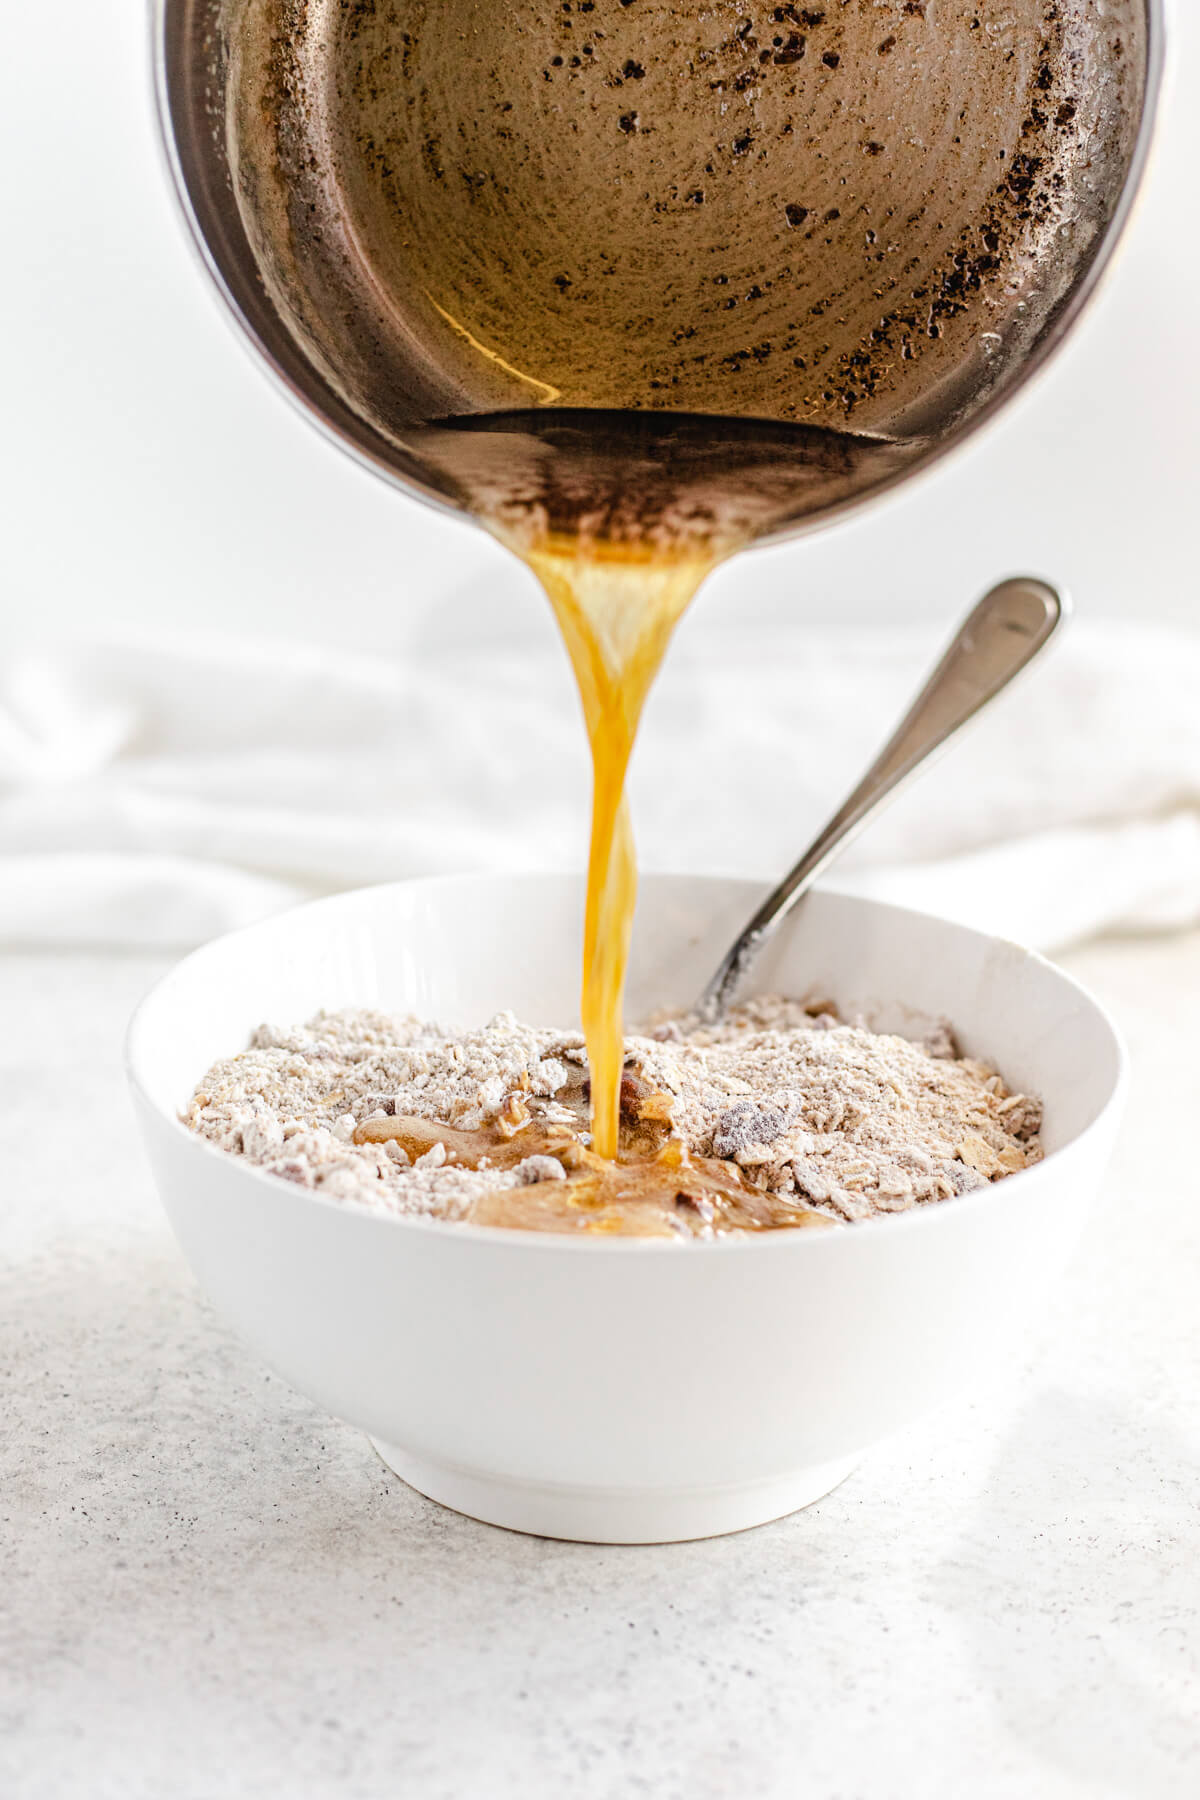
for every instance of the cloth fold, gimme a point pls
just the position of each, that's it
(158, 793)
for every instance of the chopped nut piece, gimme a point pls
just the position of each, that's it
(512, 1117)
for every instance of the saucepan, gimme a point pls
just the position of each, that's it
(277, 230)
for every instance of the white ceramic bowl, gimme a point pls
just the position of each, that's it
(621, 1391)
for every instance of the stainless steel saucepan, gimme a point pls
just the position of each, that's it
(942, 196)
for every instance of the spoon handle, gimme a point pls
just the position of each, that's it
(997, 639)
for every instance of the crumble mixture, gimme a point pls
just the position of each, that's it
(781, 1116)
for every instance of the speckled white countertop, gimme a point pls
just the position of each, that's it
(207, 1589)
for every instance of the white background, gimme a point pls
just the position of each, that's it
(152, 477)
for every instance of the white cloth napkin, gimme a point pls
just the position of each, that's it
(154, 794)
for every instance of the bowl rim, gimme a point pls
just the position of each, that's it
(522, 1242)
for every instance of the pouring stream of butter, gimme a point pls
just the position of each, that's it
(617, 609)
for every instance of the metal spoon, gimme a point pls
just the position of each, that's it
(997, 639)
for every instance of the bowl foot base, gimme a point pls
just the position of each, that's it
(613, 1516)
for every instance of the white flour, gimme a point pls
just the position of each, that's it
(817, 1114)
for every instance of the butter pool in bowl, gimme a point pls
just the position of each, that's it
(609, 1389)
